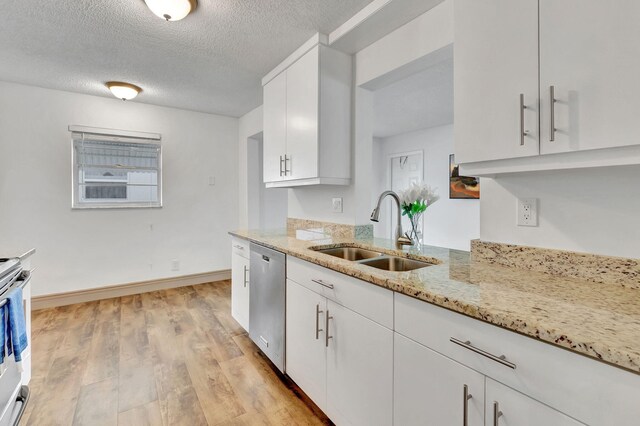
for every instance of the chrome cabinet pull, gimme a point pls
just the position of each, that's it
(318, 329)
(523, 132)
(467, 345)
(245, 275)
(239, 247)
(326, 333)
(466, 396)
(322, 283)
(496, 413)
(286, 159)
(552, 113)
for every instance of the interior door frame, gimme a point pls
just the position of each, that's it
(390, 158)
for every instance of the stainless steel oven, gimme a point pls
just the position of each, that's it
(13, 394)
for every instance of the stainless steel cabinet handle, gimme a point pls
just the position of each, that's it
(466, 396)
(245, 275)
(552, 113)
(523, 132)
(326, 327)
(281, 169)
(286, 169)
(322, 283)
(239, 247)
(467, 345)
(496, 413)
(318, 329)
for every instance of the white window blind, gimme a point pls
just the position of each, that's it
(116, 171)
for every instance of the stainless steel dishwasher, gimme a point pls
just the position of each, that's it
(267, 302)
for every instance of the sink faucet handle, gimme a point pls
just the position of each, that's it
(405, 240)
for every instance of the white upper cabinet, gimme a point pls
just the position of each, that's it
(590, 55)
(275, 128)
(495, 64)
(302, 117)
(307, 119)
(575, 62)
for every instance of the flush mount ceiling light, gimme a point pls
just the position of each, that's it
(124, 91)
(172, 10)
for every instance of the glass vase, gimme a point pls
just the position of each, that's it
(415, 232)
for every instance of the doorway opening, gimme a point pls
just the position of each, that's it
(412, 142)
(267, 207)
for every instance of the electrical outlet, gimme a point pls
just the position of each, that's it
(527, 212)
(337, 205)
(175, 265)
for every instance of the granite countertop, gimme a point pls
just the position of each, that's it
(598, 320)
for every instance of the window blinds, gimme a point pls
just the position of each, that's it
(116, 170)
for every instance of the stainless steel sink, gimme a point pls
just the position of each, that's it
(396, 264)
(350, 253)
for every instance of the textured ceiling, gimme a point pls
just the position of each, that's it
(417, 102)
(211, 61)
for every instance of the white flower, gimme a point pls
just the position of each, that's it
(418, 193)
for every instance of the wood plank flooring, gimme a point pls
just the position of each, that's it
(171, 357)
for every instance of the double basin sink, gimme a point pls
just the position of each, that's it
(375, 259)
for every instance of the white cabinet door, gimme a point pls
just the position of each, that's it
(306, 351)
(359, 369)
(302, 116)
(507, 407)
(275, 127)
(496, 60)
(589, 52)
(240, 290)
(429, 389)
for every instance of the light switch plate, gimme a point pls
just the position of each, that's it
(337, 205)
(212, 180)
(527, 212)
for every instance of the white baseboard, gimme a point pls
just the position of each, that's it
(80, 296)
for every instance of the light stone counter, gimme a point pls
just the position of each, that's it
(599, 320)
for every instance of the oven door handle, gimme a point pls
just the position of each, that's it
(25, 277)
(23, 397)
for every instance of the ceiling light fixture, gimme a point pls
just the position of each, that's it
(124, 91)
(172, 10)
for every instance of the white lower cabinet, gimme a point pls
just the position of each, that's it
(359, 369)
(340, 358)
(305, 342)
(507, 407)
(240, 282)
(430, 389)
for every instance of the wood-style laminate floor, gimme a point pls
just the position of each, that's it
(172, 357)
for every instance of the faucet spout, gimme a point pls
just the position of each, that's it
(401, 238)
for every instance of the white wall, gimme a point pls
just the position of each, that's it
(314, 202)
(267, 207)
(447, 223)
(394, 56)
(590, 210)
(249, 125)
(81, 249)
(406, 48)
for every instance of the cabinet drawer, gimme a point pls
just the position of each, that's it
(588, 390)
(369, 300)
(240, 247)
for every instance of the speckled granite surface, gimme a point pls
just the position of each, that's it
(599, 320)
(584, 266)
(329, 229)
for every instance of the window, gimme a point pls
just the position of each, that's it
(116, 171)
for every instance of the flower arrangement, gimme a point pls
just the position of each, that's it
(414, 201)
